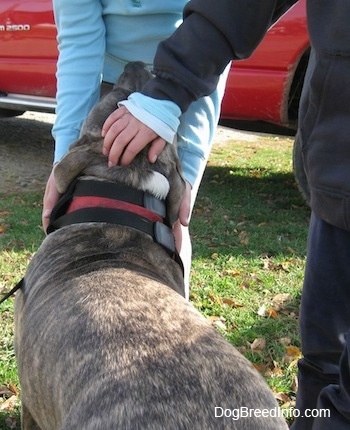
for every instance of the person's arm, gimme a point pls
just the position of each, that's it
(81, 42)
(187, 66)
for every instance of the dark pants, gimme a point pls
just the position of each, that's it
(324, 370)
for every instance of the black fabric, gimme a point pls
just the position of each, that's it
(160, 234)
(111, 216)
(324, 379)
(7, 295)
(188, 64)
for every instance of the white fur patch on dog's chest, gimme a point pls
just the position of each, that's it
(157, 185)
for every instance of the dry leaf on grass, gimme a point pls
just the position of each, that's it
(285, 341)
(293, 351)
(292, 355)
(217, 321)
(232, 303)
(231, 272)
(243, 238)
(9, 404)
(272, 313)
(258, 344)
(267, 312)
(282, 397)
(260, 367)
(281, 300)
(6, 391)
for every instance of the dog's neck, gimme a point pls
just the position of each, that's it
(91, 200)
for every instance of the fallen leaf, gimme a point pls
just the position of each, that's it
(276, 371)
(13, 389)
(217, 321)
(243, 237)
(260, 367)
(293, 351)
(282, 397)
(262, 311)
(269, 265)
(285, 341)
(292, 355)
(9, 404)
(232, 303)
(281, 300)
(285, 265)
(2, 229)
(231, 272)
(5, 391)
(214, 298)
(258, 344)
(271, 313)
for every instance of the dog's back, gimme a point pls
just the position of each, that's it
(103, 342)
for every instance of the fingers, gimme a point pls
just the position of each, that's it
(51, 197)
(177, 232)
(155, 149)
(185, 207)
(125, 136)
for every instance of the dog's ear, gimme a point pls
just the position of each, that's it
(84, 152)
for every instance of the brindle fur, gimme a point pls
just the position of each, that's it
(103, 340)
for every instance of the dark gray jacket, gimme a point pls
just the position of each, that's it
(188, 64)
(324, 115)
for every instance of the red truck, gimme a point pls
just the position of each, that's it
(265, 87)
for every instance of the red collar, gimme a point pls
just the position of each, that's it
(84, 202)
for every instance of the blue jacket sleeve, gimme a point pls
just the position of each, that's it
(80, 66)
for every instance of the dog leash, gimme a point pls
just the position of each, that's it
(12, 291)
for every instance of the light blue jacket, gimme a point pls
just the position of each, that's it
(96, 39)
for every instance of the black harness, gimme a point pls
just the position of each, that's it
(113, 203)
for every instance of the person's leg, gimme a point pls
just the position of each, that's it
(324, 315)
(195, 137)
(334, 400)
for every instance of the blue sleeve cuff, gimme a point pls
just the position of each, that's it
(162, 116)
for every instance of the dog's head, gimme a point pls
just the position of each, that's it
(162, 179)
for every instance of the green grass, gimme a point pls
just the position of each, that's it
(249, 233)
(20, 237)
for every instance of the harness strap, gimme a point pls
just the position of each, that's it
(12, 291)
(116, 204)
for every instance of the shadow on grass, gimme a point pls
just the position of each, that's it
(252, 212)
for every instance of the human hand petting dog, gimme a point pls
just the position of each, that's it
(51, 197)
(125, 136)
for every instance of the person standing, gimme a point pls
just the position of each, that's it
(231, 30)
(96, 39)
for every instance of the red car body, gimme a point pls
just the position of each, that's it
(267, 86)
(264, 87)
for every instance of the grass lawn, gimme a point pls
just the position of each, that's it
(249, 231)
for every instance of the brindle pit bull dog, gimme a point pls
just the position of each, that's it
(104, 338)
